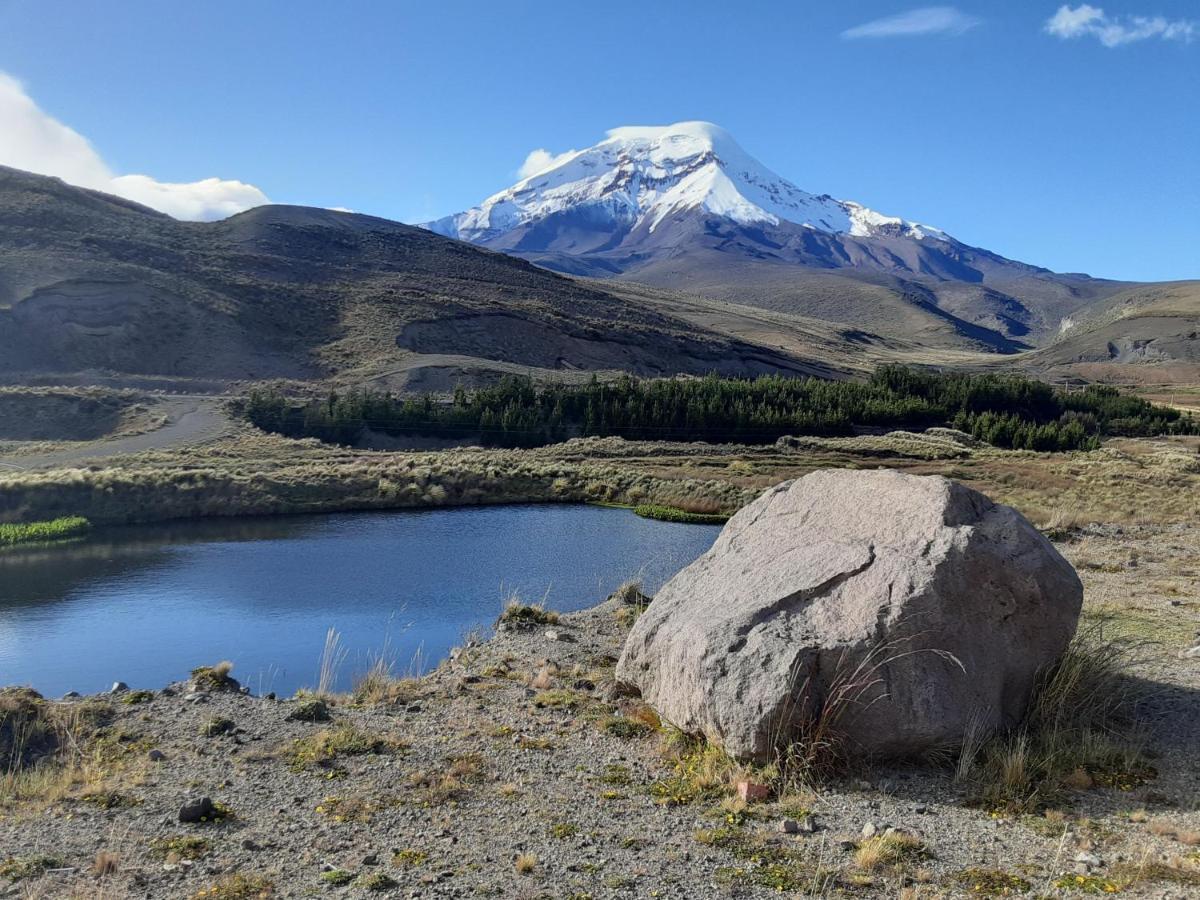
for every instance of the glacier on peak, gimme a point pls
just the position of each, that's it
(639, 176)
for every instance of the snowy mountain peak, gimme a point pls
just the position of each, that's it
(639, 177)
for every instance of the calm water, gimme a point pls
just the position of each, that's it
(147, 604)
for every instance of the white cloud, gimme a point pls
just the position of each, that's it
(540, 160)
(1113, 31)
(32, 140)
(916, 23)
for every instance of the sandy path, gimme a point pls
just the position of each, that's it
(190, 420)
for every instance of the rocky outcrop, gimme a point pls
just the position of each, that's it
(897, 609)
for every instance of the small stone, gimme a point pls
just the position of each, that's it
(751, 791)
(551, 635)
(251, 845)
(789, 826)
(119, 687)
(1087, 859)
(808, 825)
(71, 695)
(371, 859)
(156, 755)
(413, 708)
(921, 809)
(584, 684)
(1177, 603)
(869, 830)
(270, 695)
(197, 809)
(845, 842)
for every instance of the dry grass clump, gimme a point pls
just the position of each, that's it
(436, 788)
(322, 750)
(49, 751)
(215, 678)
(888, 849)
(238, 887)
(19, 868)
(525, 863)
(1079, 731)
(524, 617)
(379, 687)
(1183, 872)
(184, 846)
(105, 863)
(699, 770)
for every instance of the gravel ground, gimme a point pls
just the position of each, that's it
(470, 775)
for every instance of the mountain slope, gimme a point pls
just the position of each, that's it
(1157, 324)
(683, 206)
(93, 284)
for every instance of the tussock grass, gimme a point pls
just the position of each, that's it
(1079, 731)
(525, 863)
(215, 677)
(50, 751)
(699, 770)
(524, 617)
(379, 686)
(62, 529)
(322, 750)
(888, 849)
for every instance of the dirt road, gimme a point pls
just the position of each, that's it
(190, 420)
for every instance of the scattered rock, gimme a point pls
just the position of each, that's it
(71, 695)
(789, 826)
(156, 755)
(752, 791)
(951, 602)
(197, 809)
(119, 687)
(869, 830)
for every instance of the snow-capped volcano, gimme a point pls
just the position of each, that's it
(684, 207)
(639, 177)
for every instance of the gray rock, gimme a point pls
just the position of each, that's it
(156, 755)
(119, 687)
(197, 809)
(903, 609)
(71, 695)
(789, 826)
(869, 830)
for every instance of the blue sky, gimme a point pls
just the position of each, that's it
(1078, 150)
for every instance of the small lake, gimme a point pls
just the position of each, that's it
(146, 604)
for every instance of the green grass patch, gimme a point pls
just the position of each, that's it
(674, 514)
(63, 529)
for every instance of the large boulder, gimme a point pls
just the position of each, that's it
(897, 610)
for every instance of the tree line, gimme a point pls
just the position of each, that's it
(1002, 409)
